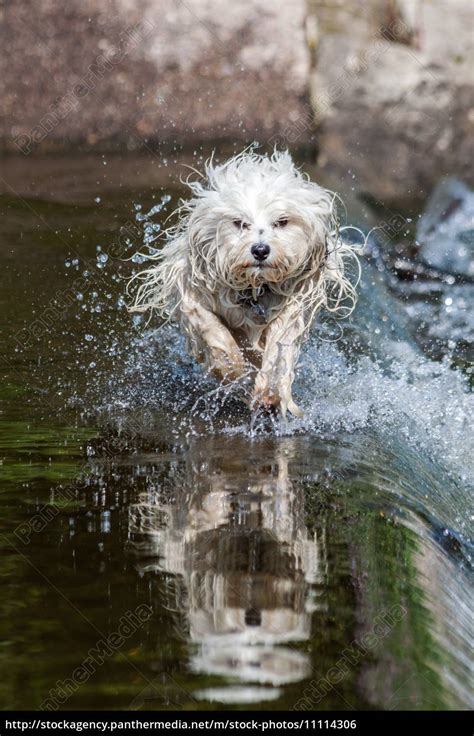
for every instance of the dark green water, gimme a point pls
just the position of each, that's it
(153, 553)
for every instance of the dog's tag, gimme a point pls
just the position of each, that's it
(259, 313)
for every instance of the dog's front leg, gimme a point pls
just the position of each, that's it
(210, 341)
(275, 378)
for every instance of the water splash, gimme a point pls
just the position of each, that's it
(373, 377)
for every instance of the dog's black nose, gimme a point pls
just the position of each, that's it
(260, 251)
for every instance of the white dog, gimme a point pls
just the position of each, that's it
(255, 254)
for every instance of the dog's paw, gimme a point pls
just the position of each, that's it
(273, 404)
(226, 367)
(265, 401)
(266, 409)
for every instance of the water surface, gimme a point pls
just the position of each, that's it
(157, 553)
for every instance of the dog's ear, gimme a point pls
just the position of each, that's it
(201, 249)
(328, 269)
(160, 287)
(320, 214)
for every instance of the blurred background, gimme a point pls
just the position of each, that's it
(128, 477)
(380, 90)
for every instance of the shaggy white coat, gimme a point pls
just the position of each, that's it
(240, 316)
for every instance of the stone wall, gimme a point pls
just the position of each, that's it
(390, 111)
(135, 73)
(392, 90)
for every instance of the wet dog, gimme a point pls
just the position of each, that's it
(255, 254)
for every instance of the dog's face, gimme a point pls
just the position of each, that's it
(264, 240)
(259, 221)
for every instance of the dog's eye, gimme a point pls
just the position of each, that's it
(282, 222)
(241, 225)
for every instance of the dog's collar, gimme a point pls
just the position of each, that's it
(251, 299)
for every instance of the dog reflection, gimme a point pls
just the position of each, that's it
(235, 537)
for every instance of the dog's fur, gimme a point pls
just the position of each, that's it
(240, 315)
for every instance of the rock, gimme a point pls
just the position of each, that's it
(99, 73)
(446, 229)
(394, 117)
(387, 82)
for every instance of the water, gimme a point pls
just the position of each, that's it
(156, 552)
